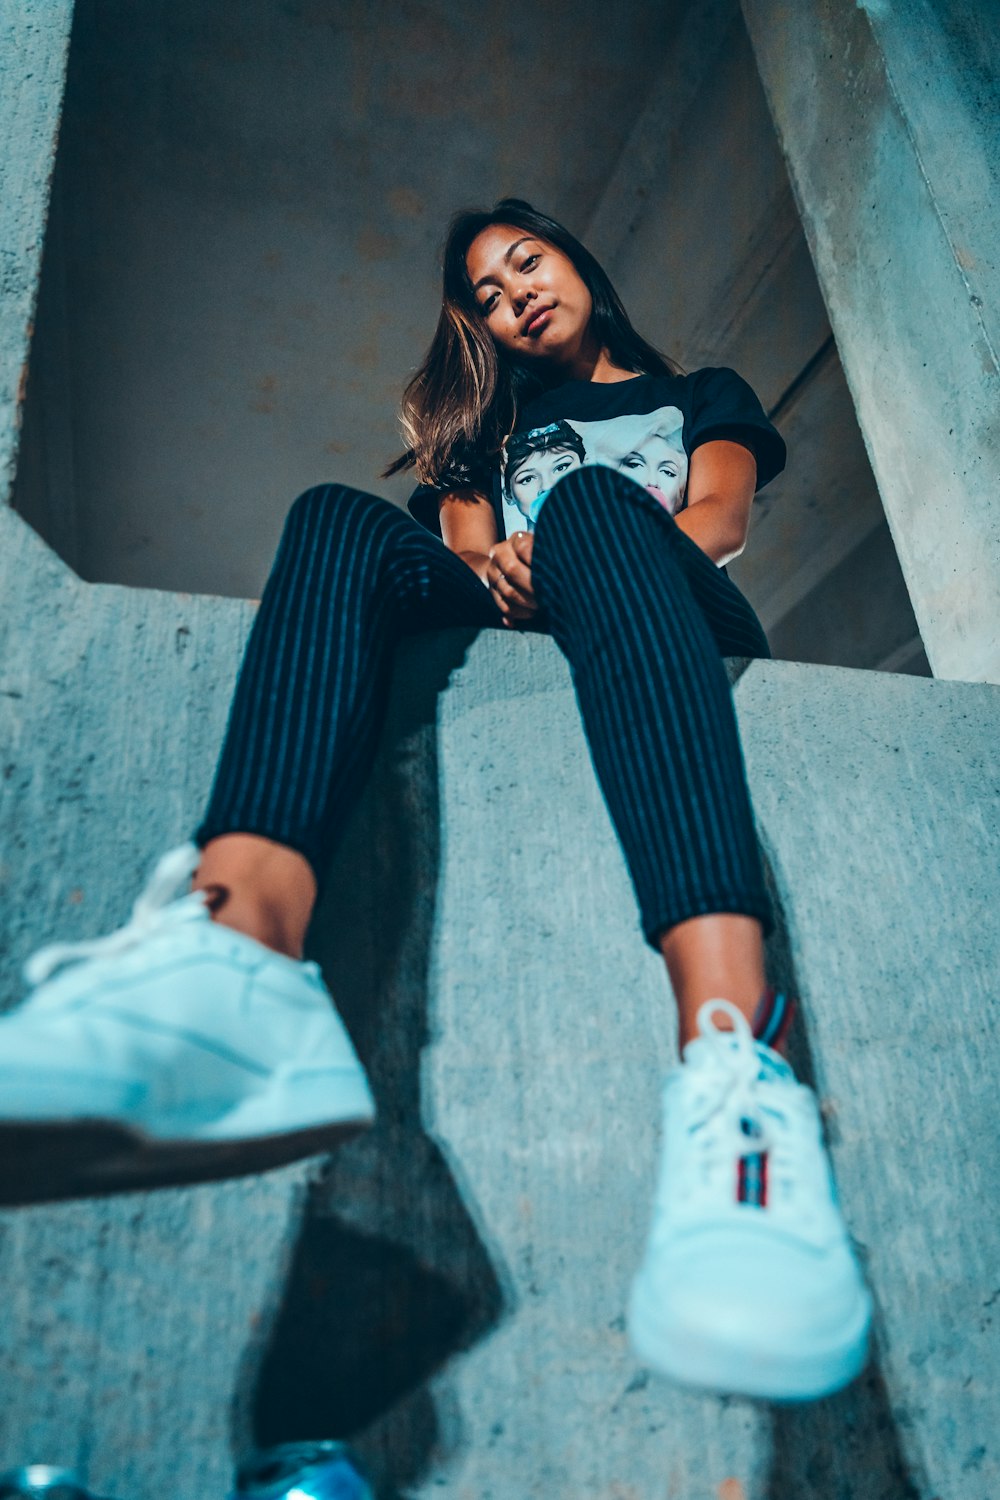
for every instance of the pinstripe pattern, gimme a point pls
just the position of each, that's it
(352, 574)
(644, 617)
(640, 612)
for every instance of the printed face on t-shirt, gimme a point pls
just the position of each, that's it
(647, 447)
(530, 481)
(660, 466)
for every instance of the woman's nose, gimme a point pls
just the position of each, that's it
(521, 296)
(537, 504)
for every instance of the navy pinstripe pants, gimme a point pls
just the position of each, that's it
(641, 613)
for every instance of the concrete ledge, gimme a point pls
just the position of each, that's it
(450, 1289)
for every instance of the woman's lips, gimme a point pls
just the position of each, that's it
(538, 321)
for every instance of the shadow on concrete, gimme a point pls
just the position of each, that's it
(847, 1446)
(364, 1323)
(390, 1277)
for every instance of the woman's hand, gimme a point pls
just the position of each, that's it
(509, 577)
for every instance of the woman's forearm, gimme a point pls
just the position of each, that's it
(711, 523)
(478, 562)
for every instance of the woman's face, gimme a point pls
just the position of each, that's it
(532, 298)
(535, 476)
(660, 467)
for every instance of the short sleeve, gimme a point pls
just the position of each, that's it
(723, 405)
(464, 472)
(424, 506)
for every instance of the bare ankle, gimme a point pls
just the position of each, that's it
(258, 887)
(719, 956)
(253, 920)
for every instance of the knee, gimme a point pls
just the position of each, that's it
(595, 495)
(585, 496)
(334, 507)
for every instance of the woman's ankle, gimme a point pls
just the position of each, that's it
(254, 920)
(719, 956)
(258, 887)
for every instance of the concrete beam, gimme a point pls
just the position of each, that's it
(34, 43)
(699, 34)
(891, 156)
(814, 514)
(710, 260)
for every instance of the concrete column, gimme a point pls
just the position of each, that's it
(887, 115)
(34, 42)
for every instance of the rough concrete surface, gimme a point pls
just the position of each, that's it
(450, 1289)
(34, 42)
(241, 270)
(887, 115)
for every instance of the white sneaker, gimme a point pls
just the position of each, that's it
(173, 1050)
(749, 1284)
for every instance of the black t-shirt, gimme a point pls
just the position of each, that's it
(646, 427)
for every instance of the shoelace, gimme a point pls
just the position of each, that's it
(150, 913)
(728, 1083)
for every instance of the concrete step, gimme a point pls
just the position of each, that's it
(449, 1290)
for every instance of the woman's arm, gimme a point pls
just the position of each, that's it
(719, 496)
(469, 527)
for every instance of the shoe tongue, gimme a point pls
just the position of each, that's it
(773, 1067)
(702, 1051)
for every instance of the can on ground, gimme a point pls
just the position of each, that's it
(303, 1471)
(43, 1482)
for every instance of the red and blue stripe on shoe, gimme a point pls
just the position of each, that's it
(771, 1023)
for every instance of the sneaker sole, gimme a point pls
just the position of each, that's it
(691, 1357)
(45, 1161)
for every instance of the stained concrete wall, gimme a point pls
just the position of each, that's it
(450, 1289)
(34, 43)
(243, 269)
(888, 117)
(700, 231)
(240, 271)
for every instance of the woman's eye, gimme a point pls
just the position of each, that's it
(529, 262)
(488, 302)
(669, 469)
(633, 461)
(562, 466)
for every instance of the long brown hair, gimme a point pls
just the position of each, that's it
(463, 401)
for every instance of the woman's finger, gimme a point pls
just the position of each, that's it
(510, 565)
(500, 602)
(507, 601)
(513, 595)
(523, 608)
(506, 587)
(519, 579)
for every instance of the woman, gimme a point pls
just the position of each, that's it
(198, 1035)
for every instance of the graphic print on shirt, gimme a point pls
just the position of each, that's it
(646, 446)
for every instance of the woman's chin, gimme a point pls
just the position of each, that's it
(669, 502)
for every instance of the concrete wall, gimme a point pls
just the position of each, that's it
(888, 117)
(241, 270)
(253, 202)
(700, 231)
(34, 41)
(450, 1289)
